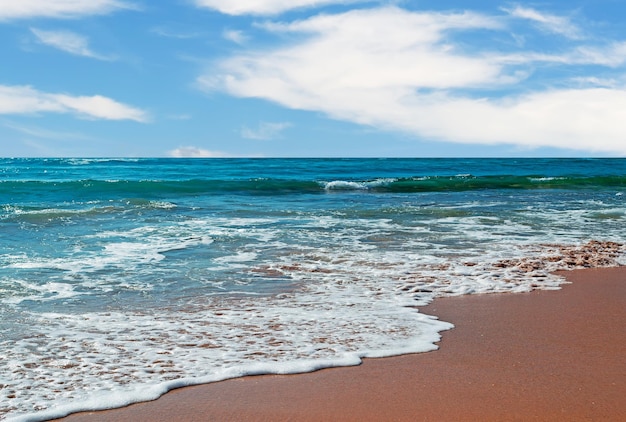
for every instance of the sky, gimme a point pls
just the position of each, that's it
(312, 78)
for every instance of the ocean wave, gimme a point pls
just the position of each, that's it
(43, 215)
(120, 281)
(269, 186)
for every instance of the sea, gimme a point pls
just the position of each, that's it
(121, 279)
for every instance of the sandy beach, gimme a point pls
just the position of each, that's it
(540, 356)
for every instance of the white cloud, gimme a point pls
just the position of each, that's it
(265, 130)
(400, 70)
(238, 37)
(583, 119)
(612, 55)
(100, 107)
(25, 9)
(67, 41)
(27, 100)
(265, 7)
(592, 81)
(360, 50)
(195, 152)
(550, 23)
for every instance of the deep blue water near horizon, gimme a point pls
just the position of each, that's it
(123, 278)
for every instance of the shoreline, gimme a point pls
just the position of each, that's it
(543, 355)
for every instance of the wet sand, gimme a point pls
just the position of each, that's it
(540, 356)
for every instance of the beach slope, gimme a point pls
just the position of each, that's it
(542, 356)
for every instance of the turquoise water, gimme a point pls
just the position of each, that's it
(122, 279)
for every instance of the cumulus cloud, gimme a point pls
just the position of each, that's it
(25, 9)
(195, 152)
(401, 70)
(359, 51)
(265, 130)
(67, 41)
(27, 100)
(548, 22)
(265, 7)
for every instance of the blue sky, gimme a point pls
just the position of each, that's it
(222, 78)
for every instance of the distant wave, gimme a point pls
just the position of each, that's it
(271, 186)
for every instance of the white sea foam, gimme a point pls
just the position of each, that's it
(350, 289)
(545, 179)
(40, 292)
(343, 185)
(292, 333)
(239, 257)
(87, 161)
